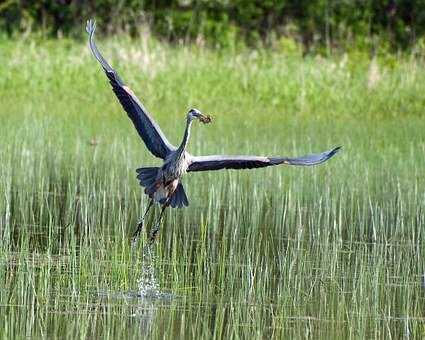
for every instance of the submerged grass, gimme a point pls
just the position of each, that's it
(330, 252)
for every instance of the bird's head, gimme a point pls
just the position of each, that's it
(196, 114)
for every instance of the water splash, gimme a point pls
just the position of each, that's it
(147, 284)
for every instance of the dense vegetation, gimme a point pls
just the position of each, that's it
(316, 24)
(334, 251)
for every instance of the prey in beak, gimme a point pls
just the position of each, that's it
(205, 119)
(196, 114)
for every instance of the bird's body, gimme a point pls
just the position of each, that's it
(168, 177)
(163, 184)
(176, 167)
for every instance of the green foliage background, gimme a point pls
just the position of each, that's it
(314, 23)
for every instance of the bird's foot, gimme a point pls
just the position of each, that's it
(153, 235)
(137, 232)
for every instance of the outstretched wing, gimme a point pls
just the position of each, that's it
(150, 132)
(218, 162)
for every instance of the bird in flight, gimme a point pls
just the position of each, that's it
(163, 184)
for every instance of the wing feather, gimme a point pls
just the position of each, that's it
(146, 127)
(218, 162)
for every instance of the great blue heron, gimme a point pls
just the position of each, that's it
(162, 184)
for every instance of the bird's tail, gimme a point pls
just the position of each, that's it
(147, 176)
(179, 198)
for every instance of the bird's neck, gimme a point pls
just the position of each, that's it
(183, 145)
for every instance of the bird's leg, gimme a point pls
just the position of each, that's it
(141, 222)
(155, 229)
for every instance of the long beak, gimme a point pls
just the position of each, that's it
(206, 119)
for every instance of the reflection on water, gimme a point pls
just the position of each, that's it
(144, 303)
(148, 292)
(145, 312)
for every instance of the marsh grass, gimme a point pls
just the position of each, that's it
(332, 251)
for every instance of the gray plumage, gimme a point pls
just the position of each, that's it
(163, 184)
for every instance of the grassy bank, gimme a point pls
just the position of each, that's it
(332, 251)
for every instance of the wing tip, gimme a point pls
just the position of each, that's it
(308, 160)
(334, 151)
(328, 155)
(90, 26)
(90, 29)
